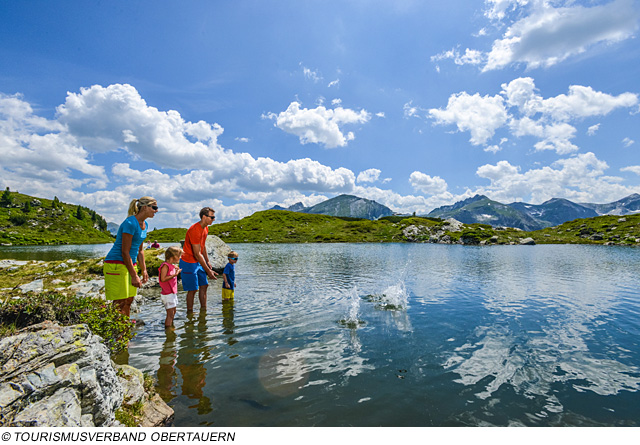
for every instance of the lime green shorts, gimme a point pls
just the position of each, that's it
(227, 294)
(117, 282)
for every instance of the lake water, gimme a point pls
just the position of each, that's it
(59, 253)
(406, 335)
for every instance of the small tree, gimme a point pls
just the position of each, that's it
(56, 203)
(6, 198)
(27, 207)
(79, 213)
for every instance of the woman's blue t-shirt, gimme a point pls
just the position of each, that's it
(132, 227)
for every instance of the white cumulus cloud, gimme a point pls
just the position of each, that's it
(429, 185)
(524, 112)
(319, 125)
(370, 175)
(592, 130)
(580, 178)
(550, 35)
(479, 115)
(632, 168)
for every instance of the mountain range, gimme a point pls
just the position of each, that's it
(480, 209)
(344, 206)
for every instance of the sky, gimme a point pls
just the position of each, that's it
(243, 105)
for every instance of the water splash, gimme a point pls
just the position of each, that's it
(393, 298)
(351, 320)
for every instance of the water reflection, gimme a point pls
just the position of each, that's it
(540, 333)
(227, 321)
(194, 353)
(167, 378)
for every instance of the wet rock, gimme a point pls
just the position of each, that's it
(527, 242)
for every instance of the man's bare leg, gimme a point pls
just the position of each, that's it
(190, 296)
(202, 296)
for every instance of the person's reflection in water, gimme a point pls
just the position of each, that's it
(167, 377)
(227, 321)
(193, 354)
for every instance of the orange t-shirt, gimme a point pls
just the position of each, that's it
(195, 235)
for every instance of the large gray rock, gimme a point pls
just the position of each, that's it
(57, 376)
(91, 288)
(11, 263)
(217, 251)
(36, 286)
(63, 376)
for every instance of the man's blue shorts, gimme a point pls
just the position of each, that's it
(193, 276)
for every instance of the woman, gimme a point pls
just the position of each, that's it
(121, 279)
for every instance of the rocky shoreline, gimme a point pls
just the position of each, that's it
(63, 376)
(52, 375)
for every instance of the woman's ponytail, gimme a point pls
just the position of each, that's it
(133, 208)
(136, 204)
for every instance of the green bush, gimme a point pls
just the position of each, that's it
(107, 322)
(18, 219)
(102, 318)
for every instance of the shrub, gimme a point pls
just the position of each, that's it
(102, 318)
(17, 219)
(107, 322)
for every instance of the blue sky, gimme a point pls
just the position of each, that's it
(242, 105)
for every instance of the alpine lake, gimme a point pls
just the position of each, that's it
(401, 335)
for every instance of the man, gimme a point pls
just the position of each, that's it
(194, 261)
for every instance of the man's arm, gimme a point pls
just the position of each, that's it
(198, 255)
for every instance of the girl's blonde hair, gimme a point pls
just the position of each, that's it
(137, 204)
(172, 252)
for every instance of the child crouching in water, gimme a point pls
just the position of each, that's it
(229, 276)
(168, 278)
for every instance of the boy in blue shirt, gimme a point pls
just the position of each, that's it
(229, 276)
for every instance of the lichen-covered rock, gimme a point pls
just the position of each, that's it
(57, 376)
(154, 411)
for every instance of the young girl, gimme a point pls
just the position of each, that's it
(168, 278)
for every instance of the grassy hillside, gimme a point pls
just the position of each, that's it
(277, 226)
(167, 235)
(608, 229)
(25, 220)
